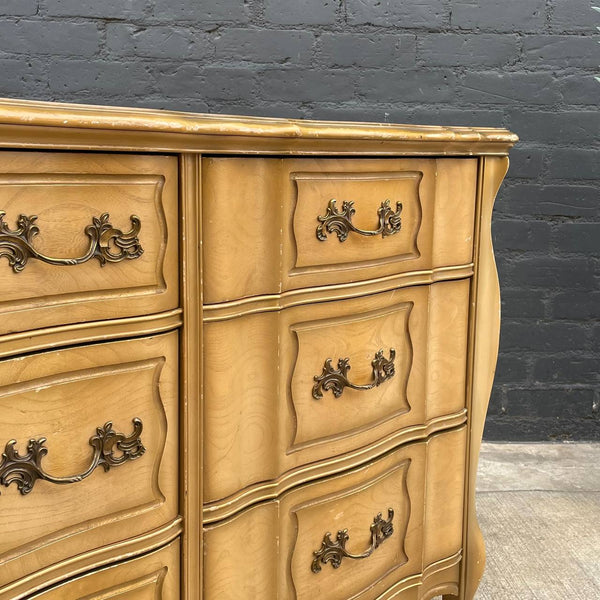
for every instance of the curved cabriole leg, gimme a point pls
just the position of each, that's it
(485, 332)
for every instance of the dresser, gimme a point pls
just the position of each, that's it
(242, 358)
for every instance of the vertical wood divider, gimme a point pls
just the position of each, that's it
(191, 374)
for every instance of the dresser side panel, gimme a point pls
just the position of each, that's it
(484, 338)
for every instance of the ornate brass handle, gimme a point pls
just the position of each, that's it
(341, 224)
(337, 379)
(25, 470)
(107, 243)
(334, 552)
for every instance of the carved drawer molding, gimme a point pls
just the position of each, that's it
(242, 358)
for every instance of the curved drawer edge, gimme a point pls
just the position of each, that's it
(227, 507)
(277, 302)
(436, 579)
(95, 331)
(88, 561)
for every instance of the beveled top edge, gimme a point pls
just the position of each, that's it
(85, 116)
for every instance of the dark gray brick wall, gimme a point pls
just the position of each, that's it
(528, 65)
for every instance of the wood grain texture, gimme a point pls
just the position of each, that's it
(81, 126)
(109, 140)
(89, 561)
(260, 418)
(267, 490)
(190, 473)
(93, 331)
(154, 576)
(66, 191)
(484, 336)
(315, 189)
(272, 205)
(243, 466)
(64, 395)
(266, 552)
(327, 293)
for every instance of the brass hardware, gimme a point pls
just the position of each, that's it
(107, 243)
(25, 470)
(341, 224)
(337, 379)
(334, 552)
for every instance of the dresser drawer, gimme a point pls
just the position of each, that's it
(313, 383)
(86, 237)
(151, 577)
(287, 549)
(90, 440)
(272, 225)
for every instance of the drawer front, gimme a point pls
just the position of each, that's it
(314, 382)
(151, 577)
(113, 216)
(389, 525)
(272, 225)
(94, 453)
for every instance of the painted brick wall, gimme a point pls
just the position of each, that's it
(528, 65)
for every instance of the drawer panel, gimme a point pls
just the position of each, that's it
(127, 262)
(282, 209)
(268, 551)
(353, 228)
(94, 457)
(394, 360)
(151, 577)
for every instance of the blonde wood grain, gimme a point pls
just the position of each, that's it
(151, 577)
(232, 425)
(94, 331)
(64, 395)
(260, 418)
(326, 293)
(437, 578)
(484, 336)
(109, 140)
(448, 316)
(272, 205)
(66, 191)
(191, 378)
(266, 552)
(93, 560)
(311, 193)
(267, 490)
(444, 502)
(39, 113)
(242, 208)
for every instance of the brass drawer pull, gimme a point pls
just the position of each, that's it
(25, 470)
(334, 552)
(337, 379)
(107, 243)
(341, 224)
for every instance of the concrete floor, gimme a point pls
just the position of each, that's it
(539, 509)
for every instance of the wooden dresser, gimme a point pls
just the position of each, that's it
(242, 358)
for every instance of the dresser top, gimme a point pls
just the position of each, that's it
(129, 127)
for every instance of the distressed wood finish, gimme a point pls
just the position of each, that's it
(227, 338)
(66, 191)
(31, 124)
(272, 205)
